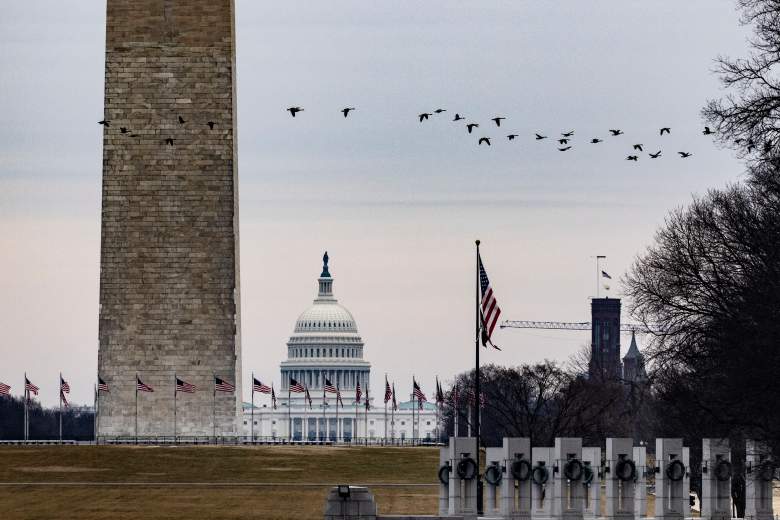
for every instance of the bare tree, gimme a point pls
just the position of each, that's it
(748, 117)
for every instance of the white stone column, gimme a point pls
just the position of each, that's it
(758, 482)
(568, 488)
(640, 488)
(515, 489)
(716, 474)
(621, 472)
(591, 491)
(671, 499)
(542, 489)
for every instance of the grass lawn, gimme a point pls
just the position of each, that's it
(154, 466)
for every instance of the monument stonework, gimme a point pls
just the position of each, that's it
(169, 263)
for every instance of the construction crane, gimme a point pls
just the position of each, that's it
(563, 325)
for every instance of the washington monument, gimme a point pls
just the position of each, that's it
(169, 261)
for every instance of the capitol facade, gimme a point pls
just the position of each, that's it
(326, 348)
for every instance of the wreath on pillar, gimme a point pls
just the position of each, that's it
(572, 470)
(521, 469)
(766, 471)
(723, 470)
(467, 468)
(540, 474)
(493, 474)
(625, 470)
(587, 473)
(444, 474)
(675, 471)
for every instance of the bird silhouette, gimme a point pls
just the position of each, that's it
(655, 155)
(638, 147)
(707, 131)
(484, 140)
(294, 110)
(424, 115)
(632, 158)
(666, 129)
(596, 140)
(458, 117)
(511, 137)
(564, 148)
(181, 120)
(346, 110)
(568, 134)
(684, 154)
(498, 120)
(211, 125)
(563, 141)
(439, 110)
(616, 132)
(104, 122)
(540, 137)
(169, 141)
(123, 129)
(472, 126)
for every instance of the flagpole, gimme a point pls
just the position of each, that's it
(385, 411)
(324, 416)
(26, 432)
(365, 415)
(214, 407)
(60, 384)
(476, 382)
(136, 407)
(252, 426)
(94, 422)
(175, 406)
(289, 418)
(338, 395)
(305, 434)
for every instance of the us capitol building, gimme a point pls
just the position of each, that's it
(325, 344)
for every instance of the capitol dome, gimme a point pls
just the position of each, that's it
(325, 344)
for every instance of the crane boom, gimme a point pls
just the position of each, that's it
(563, 325)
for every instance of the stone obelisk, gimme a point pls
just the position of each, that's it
(169, 260)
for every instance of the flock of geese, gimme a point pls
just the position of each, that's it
(564, 142)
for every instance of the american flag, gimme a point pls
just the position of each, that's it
(395, 405)
(418, 393)
(257, 386)
(388, 391)
(472, 401)
(338, 397)
(455, 395)
(141, 387)
(368, 401)
(329, 386)
(63, 400)
(420, 404)
(64, 386)
(220, 385)
(273, 396)
(184, 386)
(358, 393)
(30, 387)
(439, 392)
(295, 386)
(490, 310)
(308, 397)
(102, 385)
(5, 389)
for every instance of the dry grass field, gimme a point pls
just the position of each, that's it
(59, 482)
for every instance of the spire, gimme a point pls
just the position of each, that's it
(633, 350)
(326, 282)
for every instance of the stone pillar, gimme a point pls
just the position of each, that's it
(640, 488)
(716, 472)
(445, 471)
(686, 458)
(494, 463)
(358, 505)
(542, 489)
(567, 478)
(463, 491)
(591, 491)
(758, 483)
(621, 472)
(671, 497)
(169, 258)
(515, 491)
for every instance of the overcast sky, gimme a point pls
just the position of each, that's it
(396, 203)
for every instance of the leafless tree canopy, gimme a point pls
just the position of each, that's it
(748, 117)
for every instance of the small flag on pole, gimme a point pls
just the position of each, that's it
(395, 404)
(606, 275)
(295, 386)
(5, 389)
(329, 388)
(63, 399)
(388, 391)
(439, 392)
(418, 393)
(358, 393)
(102, 386)
(64, 386)
(308, 397)
(141, 387)
(338, 397)
(490, 310)
(184, 386)
(30, 387)
(259, 387)
(220, 385)
(368, 401)
(273, 396)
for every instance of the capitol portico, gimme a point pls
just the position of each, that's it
(325, 344)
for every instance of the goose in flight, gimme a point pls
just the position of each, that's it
(424, 116)
(347, 110)
(665, 130)
(484, 140)
(294, 110)
(472, 126)
(616, 132)
(655, 155)
(498, 120)
(684, 155)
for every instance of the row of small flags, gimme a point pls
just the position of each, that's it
(220, 385)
